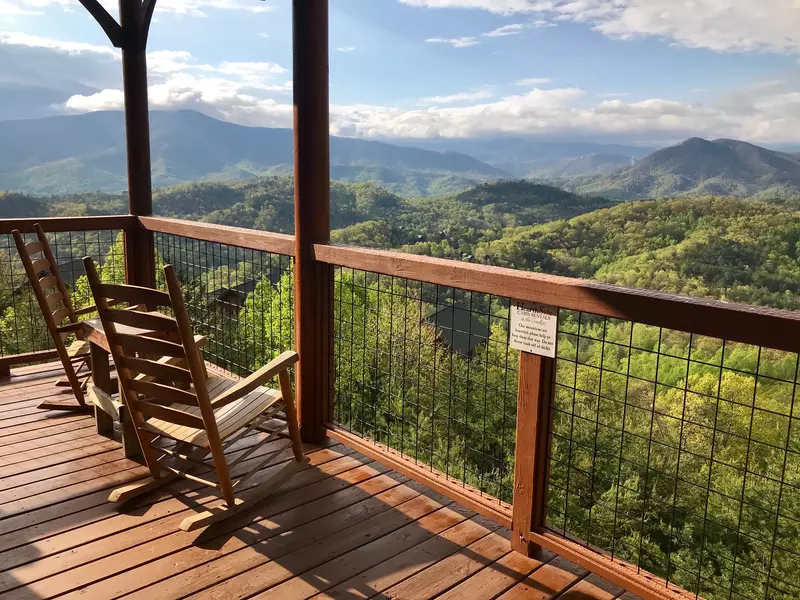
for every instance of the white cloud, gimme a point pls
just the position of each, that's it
(721, 25)
(16, 38)
(194, 8)
(459, 42)
(480, 94)
(533, 81)
(248, 71)
(262, 34)
(167, 62)
(236, 91)
(505, 30)
(503, 7)
(765, 113)
(346, 49)
(10, 9)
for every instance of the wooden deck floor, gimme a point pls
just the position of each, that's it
(347, 527)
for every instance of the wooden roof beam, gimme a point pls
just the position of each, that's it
(105, 20)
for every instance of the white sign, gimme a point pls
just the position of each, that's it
(533, 328)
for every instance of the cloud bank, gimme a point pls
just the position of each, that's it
(259, 93)
(720, 25)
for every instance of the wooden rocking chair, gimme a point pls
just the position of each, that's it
(56, 306)
(177, 422)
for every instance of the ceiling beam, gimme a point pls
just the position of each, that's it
(105, 20)
(149, 7)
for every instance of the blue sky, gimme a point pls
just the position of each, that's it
(648, 71)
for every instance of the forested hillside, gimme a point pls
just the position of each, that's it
(721, 247)
(744, 251)
(361, 213)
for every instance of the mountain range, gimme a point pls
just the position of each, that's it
(86, 153)
(537, 158)
(699, 167)
(82, 153)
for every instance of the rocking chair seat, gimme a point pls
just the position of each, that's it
(230, 418)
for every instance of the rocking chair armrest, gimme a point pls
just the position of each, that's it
(70, 327)
(257, 379)
(85, 310)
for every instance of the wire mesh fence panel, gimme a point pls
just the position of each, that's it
(679, 454)
(241, 300)
(22, 327)
(426, 370)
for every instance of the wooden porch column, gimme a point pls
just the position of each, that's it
(311, 213)
(534, 397)
(139, 248)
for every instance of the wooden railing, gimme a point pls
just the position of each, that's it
(591, 315)
(770, 336)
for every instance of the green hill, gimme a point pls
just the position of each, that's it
(699, 167)
(82, 153)
(743, 251)
(451, 225)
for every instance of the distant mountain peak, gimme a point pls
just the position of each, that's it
(701, 167)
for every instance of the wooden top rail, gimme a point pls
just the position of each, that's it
(60, 224)
(734, 322)
(278, 243)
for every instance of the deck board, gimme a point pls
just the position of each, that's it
(346, 527)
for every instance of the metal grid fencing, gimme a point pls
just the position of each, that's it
(241, 300)
(22, 327)
(679, 454)
(426, 370)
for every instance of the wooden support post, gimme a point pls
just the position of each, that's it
(312, 213)
(534, 398)
(139, 248)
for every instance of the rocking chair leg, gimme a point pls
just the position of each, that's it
(138, 488)
(247, 500)
(105, 422)
(69, 405)
(130, 443)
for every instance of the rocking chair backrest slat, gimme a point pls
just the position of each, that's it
(56, 306)
(54, 271)
(48, 282)
(155, 370)
(40, 264)
(53, 300)
(167, 413)
(163, 392)
(133, 344)
(133, 294)
(34, 248)
(143, 320)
